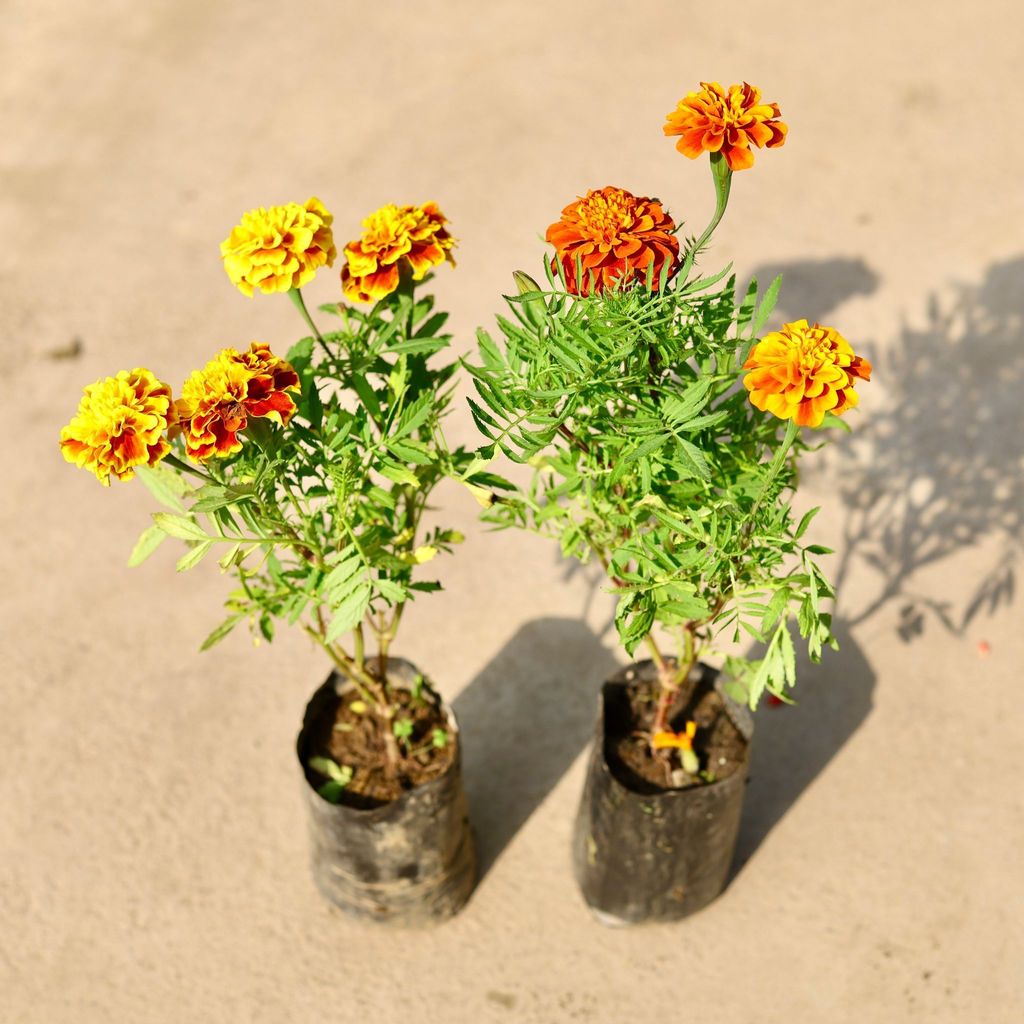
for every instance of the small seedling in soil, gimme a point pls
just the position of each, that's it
(338, 777)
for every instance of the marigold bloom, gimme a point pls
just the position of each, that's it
(716, 121)
(217, 401)
(415, 235)
(802, 372)
(121, 423)
(615, 237)
(678, 740)
(279, 248)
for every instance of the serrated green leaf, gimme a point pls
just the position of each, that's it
(221, 631)
(181, 527)
(766, 306)
(165, 485)
(194, 556)
(349, 613)
(150, 539)
(805, 522)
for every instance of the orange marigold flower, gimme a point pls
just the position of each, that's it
(615, 237)
(121, 423)
(678, 740)
(279, 248)
(716, 121)
(217, 401)
(415, 235)
(802, 372)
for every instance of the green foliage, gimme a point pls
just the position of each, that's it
(338, 777)
(649, 457)
(320, 521)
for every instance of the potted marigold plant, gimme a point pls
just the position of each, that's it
(663, 431)
(307, 478)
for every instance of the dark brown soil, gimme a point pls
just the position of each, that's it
(718, 744)
(357, 739)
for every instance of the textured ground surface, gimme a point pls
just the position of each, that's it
(152, 847)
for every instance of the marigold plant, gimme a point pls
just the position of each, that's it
(663, 427)
(307, 475)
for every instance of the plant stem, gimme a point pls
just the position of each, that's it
(722, 176)
(300, 304)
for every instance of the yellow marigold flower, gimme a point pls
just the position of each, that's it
(391, 235)
(678, 740)
(121, 423)
(716, 121)
(615, 236)
(217, 401)
(802, 372)
(280, 248)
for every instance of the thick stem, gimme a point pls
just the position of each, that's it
(722, 176)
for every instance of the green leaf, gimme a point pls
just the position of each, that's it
(805, 522)
(788, 654)
(194, 555)
(339, 775)
(181, 527)
(391, 591)
(166, 485)
(221, 631)
(765, 307)
(349, 613)
(397, 472)
(151, 538)
(694, 460)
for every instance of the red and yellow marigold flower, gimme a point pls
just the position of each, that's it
(728, 122)
(676, 740)
(802, 372)
(393, 236)
(217, 402)
(615, 237)
(279, 248)
(121, 423)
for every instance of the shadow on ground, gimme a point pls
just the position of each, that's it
(940, 470)
(936, 472)
(811, 289)
(524, 719)
(793, 743)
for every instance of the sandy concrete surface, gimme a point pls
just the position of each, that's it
(152, 845)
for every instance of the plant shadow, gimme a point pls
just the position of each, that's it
(920, 482)
(524, 719)
(811, 289)
(793, 743)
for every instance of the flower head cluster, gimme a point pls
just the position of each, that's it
(217, 401)
(728, 122)
(616, 238)
(279, 248)
(802, 372)
(121, 423)
(392, 236)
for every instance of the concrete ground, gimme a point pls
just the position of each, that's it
(152, 846)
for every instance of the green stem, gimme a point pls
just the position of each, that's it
(300, 304)
(360, 646)
(722, 176)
